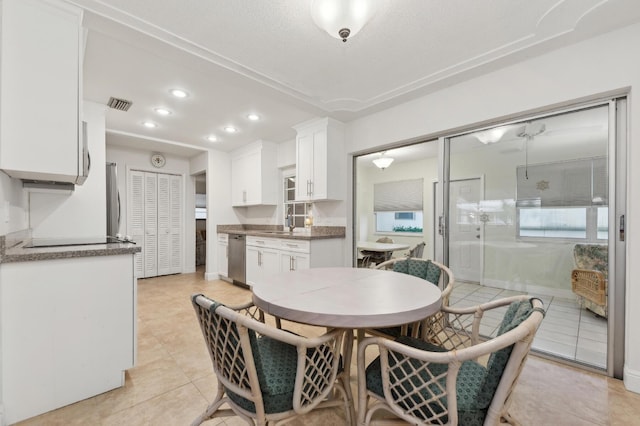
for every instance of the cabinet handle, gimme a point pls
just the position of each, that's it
(244, 196)
(291, 263)
(259, 258)
(227, 252)
(310, 187)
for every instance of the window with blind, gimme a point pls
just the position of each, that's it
(398, 206)
(563, 200)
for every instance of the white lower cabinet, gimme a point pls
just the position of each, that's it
(294, 255)
(262, 258)
(68, 331)
(223, 255)
(272, 255)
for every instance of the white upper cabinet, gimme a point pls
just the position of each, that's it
(254, 175)
(41, 134)
(320, 172)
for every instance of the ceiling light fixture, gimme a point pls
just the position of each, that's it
(162, 111)
(253, 117)
(149, 124)
(230, 129)
(212, 138)
(179, 93)
(383, 162)
(342, 18)
(490, 135)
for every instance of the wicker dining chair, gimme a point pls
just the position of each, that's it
(465, 378)
(266, 374)
(433, 273)
(370, 257)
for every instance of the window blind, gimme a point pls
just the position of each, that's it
(404, 195)
(563, 184)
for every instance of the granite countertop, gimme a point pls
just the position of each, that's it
(12, 249)
(277, 231)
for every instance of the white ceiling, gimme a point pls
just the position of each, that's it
(268, 57)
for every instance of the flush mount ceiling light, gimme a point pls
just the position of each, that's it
(253, 117)
(230, 129)
(383, 162)
(212, 138)
(491, 135)
(149, 124)
(178, 93)
(162, 111)
(342, 18)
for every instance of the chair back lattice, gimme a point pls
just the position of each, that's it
(268, 373)
(223, 340)
(417, 251)
(456, 377)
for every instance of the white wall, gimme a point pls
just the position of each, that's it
(83, 212)
(131, 159)
(601, 65)
(14, 215)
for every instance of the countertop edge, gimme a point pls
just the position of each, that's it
(18, 253)
(274, 231)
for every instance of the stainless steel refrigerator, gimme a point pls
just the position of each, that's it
(113, 201)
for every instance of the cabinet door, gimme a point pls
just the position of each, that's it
(40, 83)
(291, 261)
(319, 168)
(223, 259)
(304, 166)
(252, 178)
(252, 265)
(270, 262)
(164, 229)
(238, 182)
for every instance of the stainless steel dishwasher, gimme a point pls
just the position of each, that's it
(237, 255)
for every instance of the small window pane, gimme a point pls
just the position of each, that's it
(399, 222)
(552, 222)
(603, 223)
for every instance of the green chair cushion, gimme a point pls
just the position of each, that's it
(276, 364)
(424, 269)
(476, 385)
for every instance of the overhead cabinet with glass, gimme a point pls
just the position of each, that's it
(254, 175)
(41, 133)
(319, 154)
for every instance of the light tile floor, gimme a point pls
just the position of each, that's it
(568, 331)
(173, 383)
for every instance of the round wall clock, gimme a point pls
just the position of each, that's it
(158, 160)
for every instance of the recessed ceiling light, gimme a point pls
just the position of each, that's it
(162, 111)
(253, 117)
(230, 129)
(212, 138)
(179, 93)
(149, 124)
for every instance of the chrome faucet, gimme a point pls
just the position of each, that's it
(290, 221)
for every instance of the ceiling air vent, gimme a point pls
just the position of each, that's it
(119, 104)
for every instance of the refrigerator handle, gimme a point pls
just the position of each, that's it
(118, 195)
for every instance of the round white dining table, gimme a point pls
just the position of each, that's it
(345, 297)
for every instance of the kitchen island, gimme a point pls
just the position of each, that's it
(68, 324)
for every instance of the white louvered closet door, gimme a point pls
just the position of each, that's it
(155, 222)
(136, 217)
(150, 224)
(175, 223)
(164, 229)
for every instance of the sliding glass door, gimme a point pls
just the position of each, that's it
(531, 208)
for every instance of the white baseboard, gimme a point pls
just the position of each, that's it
(531, 289)
(631, 379)
(211, 276)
